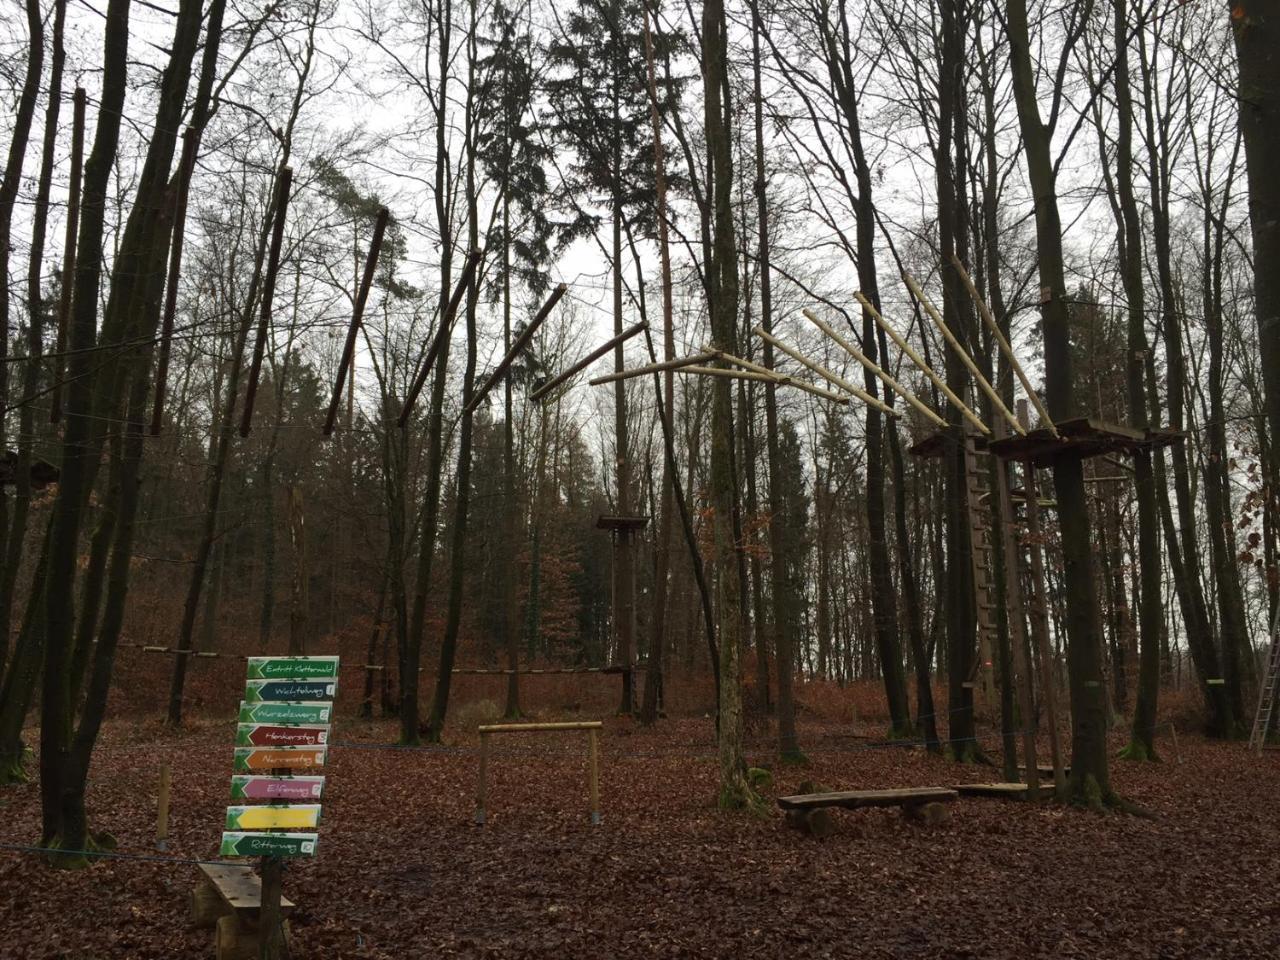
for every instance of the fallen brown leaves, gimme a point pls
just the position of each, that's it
(403, 872)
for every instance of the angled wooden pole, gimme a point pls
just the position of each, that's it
(185, 167)
(857, 354)
(586, 361)
(967, 360)
(675, 364)
(764, 375)
(283, 186)
(357, 312)
(520, 343)
(1005, 348)
(441, 337)
(919, 362)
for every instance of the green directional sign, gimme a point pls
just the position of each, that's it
(262, 691)
(285, 712)
(274, 816)
(238, 844)
(293, 668)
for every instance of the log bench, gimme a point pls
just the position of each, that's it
(227, 899)
(807, 812)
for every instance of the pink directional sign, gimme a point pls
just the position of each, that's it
(276, 788)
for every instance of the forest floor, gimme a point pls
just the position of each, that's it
(403, 872)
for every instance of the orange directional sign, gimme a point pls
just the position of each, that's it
(249, 759)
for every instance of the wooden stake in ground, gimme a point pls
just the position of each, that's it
(357, 313)
(162, 809)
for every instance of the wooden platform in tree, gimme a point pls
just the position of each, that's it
(857, 799)
(1009, 791)
(1080, 437)
(606, 522)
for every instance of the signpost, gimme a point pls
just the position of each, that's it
(274, 816)
(277, 735)
(293, 668)
(285, 712)
(283, 728)
(260, 691)
(276, 788)
(237, 844)
(248, 759)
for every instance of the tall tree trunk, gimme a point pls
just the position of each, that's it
(1090, 777)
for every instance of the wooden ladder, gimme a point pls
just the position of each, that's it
(977, 477)
(1267, 696)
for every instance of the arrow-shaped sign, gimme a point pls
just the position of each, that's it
(293, 668)
(274, 816)
(259, 691)
(272, 735)
(276, 788)
(285, 712)
(249, 759)
(236, 844)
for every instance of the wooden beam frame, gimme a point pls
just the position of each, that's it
(589, 359)
(520, 343)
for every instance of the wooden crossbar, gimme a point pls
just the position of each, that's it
(592, 729)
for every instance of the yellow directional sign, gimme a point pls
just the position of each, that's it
(294, 816)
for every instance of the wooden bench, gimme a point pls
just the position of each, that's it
(1009, 791)
(806, 812)
(227, 899)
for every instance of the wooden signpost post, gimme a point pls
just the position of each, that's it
(281, 738)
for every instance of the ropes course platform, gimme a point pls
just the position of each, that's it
(1080, 438)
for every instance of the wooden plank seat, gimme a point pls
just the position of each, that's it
(810, 813)
(1009, 791)
(228, 898)
(858, 799)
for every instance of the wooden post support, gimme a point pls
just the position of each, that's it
(1040, 618)
(162, 809)
(269, 920)
(484, 772)
(1173, 731)
(593, 756)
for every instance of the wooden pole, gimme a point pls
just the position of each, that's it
(441, 337)
(520, 343)
(779, 379)
(960, 351)
(1013, 603)
(593, 757)
(162, 809)
(822, 371)
(586, 361)
(269, 922)
(1177, 752)
(783, 379)
(648, 368)
(919, 362)
(990, 321)
(854, 352)
(280, 209)
(357, 312)
(1040, 620)
(68, 252)
(484, 772)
